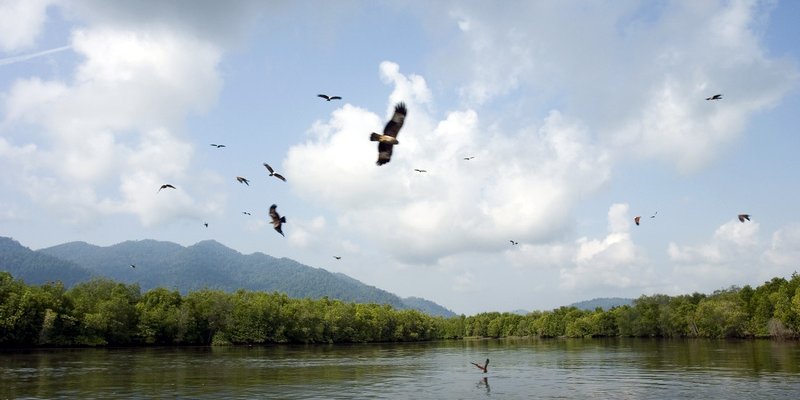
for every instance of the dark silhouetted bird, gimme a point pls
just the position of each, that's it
(205, 224)
(715, 97)
(243, 180)
(636, 219)
(165, 186)
(389, 138)
(329, 98)
(218, 145)
(483, 367)
(277, 220)
(654, 214)
(245, 213)
(469, 158)
(133, 266)
(273, 173)
(420, 170)
(743, 217)
(337, 257)
(513, 243)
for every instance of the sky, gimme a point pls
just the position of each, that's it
(580, 115)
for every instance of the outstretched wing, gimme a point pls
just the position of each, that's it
(324, 96)
(269, 168)
(336, 97)
(279, 176)
(392, 128)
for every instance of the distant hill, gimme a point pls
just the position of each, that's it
(209, 264)
(605, 303)
(37, 268)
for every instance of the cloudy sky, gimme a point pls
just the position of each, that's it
(580, 115)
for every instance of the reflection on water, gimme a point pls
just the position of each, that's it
(521, 368)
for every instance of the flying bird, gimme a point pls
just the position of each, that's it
(513, 243)
(483, 367)
(243, 180)
(273, 173)
(245, 213)
(164, 186)
(654, 214)
(469, 158)
(337, 257)
(277, 220)
(205, 224)
(715, 97)
(329, 98)
(420, 170)
(637, 220)
(743, 217)
(217, 145)
(133, 266)
(389, 138)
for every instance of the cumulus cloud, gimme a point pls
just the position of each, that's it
(521, 184)
(107, 139)
(21, 21)
(637, 78)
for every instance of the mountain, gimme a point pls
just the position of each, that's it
(37, 268)
(209, 264)
(605, 303)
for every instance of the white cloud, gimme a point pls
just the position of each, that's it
(21, 22)
(118, 122)
(521, 184)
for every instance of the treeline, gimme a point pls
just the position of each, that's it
(104, 312)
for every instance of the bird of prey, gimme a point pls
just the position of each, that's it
(243, 180)
(513, 243)
(329, 98)
(245, 213)
(637, 220)
(337, 257)
(389, 138)
(277, 220)
(420, 170)
(164, 186)
(217, 145)
(483, 367)
(654, 214)
(715, 97)
(469, 158)
(273, 173)
(743, 217)
(133, 266)
(205, 224)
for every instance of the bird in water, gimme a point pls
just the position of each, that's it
(743, 217)
(483, 367)
(277, 220)
(273, 173)
(165, 186)
(243, 180)
(715, 97)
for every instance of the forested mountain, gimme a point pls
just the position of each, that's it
(209, 264)
(606, 303)
(38, 268)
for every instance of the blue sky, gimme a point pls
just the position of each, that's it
(580, 115)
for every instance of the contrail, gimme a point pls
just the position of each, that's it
(25, 57)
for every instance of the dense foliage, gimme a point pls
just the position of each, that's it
(104, 312)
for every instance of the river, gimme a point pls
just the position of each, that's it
(519, 369)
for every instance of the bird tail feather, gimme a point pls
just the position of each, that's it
(283, 220)
(374, 137)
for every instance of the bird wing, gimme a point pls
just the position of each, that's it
(273, 213)
(336, 97)
(279, 176)
(324, 96)
(269, 168)
(636, 220)
(392, 127)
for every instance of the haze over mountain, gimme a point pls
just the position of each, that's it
(605, 303)
(207, 264)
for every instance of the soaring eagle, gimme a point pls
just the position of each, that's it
(469, 158)
(273, 173)
(743, 217)
(164, 186)
(637, 220)
(715, 97)
(277, 220)
(389, 137)
(217, 145)
(243, 180)
(420, 170)
(329, 98)
(483, 367)
(513, 243)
